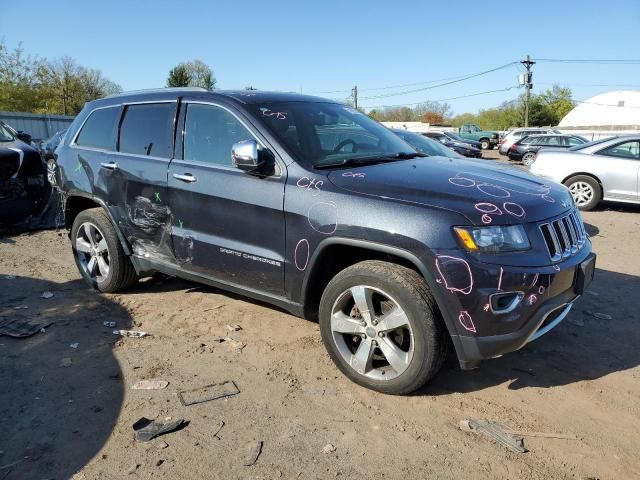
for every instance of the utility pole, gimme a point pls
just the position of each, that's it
(528, 85)
(354, 95)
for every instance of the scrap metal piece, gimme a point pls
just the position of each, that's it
(208, 393)
(146, 429)
(495, 431)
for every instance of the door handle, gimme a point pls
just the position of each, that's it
(109, 166)
(186, 177)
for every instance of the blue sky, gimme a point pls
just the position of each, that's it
(332, 45)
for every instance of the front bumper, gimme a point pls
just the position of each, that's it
(537, 300)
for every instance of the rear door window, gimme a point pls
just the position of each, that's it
(210, 132)
(99, 131)
(147, 130)
(573, 141)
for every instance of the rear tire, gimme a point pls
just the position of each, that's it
(98, 253)
(417, 345)
(585, 190)
(485, 144)
(528, 158)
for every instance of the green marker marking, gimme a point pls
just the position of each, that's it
(157, 196)
(180, 222)
(79, 167)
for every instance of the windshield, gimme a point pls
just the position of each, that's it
(5, 134)
(590, 144)
(329, 134)
(425, 145)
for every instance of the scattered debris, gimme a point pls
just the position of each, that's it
(46, 294)
(575, 321)
(146, 429)
(253, 452)
(602, 316)
(9, 277)
(234, 327)
(495, 431)
(328, 448)
(21, 307)
(66, 362)
(22, 327)
(109, 324)
(42, 330)
(236, 345)
(543, 434)
(208, 393)
(162, 445)
(150, 385)
(133, 468)
(219, 426)
(131, 333)
(159, 462)
(74, 345)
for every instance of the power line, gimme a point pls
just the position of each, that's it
(446, 99)
(407, 92)
(453, 79)
(594, 84)
(598, 61)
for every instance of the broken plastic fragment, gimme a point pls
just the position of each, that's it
(131, 333)
(46, 294)
(150, 385)
(74, 345)
(109, 324)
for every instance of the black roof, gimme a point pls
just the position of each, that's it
(242, 96)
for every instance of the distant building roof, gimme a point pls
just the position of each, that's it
(619, 109)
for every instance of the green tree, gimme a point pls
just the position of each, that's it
(179, 76)
(194, 73)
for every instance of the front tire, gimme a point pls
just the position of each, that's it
(586, 191)
(528, 158)
(382, 328)
(98, 253)
(485, 143)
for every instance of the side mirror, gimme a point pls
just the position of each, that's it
(24, 136)
(244, 155)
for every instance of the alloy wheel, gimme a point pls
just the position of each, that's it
(92, 251)
(372, 332)
(581, 192)
(528, 158)
(51, 172)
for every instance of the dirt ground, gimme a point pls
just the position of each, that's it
(68, 412)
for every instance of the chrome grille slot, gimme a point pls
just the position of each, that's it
(563, 236)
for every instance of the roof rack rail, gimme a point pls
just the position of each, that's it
(159, 90)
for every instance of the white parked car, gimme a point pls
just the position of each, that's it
(607, 169)
(514, 135)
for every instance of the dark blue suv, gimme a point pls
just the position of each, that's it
(312, 206)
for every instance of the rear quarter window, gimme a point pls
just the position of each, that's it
(99, 131)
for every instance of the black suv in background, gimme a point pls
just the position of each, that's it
(312, 206)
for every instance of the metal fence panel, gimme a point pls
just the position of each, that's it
(40, 126)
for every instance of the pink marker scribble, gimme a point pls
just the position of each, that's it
(279, 115)
(494, 190)
(486, 307)
(556, 268)
(535, 280)
(354, 174)
(486, 219)
(531, 299)
(309, 183)
(466, 321)
(514, 209)
(500, 279)
(455, 273)
(462, 181)
(541, 289)
(301, 254)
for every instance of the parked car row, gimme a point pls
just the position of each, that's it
(526, 148)
(466, 148)
(310, 205)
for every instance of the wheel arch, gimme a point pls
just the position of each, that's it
(339, 253)
(585, 174)
(74, 204)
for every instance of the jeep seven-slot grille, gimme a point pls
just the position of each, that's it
(564, 236)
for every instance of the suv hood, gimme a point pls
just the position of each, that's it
(485, 194)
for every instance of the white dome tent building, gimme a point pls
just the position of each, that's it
(612, 113)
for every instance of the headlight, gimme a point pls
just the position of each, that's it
(493, 239)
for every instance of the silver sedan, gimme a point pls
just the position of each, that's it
(607, 169)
